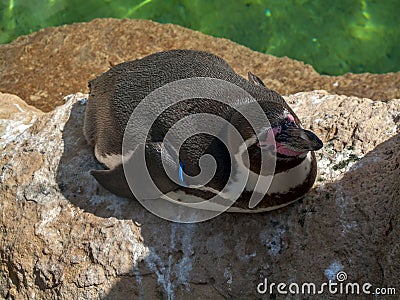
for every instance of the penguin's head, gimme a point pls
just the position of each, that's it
(290, 139)
(283, 137)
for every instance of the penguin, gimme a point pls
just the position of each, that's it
(115, 94)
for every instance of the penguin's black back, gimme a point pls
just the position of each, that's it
(130, 82)
(115, 94)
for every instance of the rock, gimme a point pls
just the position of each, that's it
(15, 117)
(63, 236)
(59, 61)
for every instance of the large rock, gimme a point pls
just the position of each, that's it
(59, 61)
(65, 237)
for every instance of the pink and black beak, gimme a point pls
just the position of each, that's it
(291, 140)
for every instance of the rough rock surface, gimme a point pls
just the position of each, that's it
(59, 61)
(64, 237)
(18, 114)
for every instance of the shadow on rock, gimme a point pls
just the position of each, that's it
(350, 225)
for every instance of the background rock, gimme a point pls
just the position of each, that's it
(62, 236)
(55, 62)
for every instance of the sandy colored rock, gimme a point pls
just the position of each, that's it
(54, 62)
(15, 117)
(65, 237)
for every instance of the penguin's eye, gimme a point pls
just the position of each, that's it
(290, 124)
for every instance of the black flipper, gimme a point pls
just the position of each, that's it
(115, 180)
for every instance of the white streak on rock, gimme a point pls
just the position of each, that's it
(19, 107)
(138, 251)
(228, 275)
(273, 240)
(334, 268)
(173, 273)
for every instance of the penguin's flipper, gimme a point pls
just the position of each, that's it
(147, 178)
(255, 79)
(114, 181)
(159, 157)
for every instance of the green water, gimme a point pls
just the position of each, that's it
(335, 37)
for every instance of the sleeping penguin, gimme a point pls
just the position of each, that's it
(116, 94)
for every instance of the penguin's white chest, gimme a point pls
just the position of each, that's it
(282, 182)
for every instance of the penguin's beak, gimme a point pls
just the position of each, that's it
(290, 140)
(294, 140)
